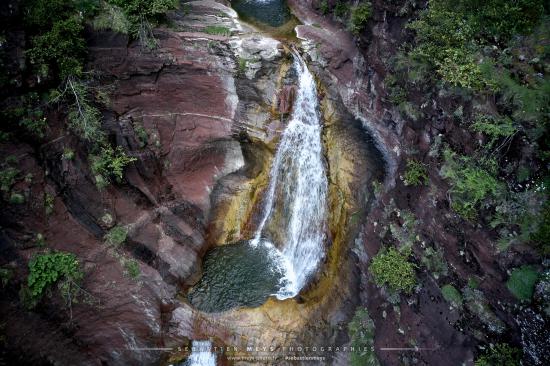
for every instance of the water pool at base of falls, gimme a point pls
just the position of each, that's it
(237, 275)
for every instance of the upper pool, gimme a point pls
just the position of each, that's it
(274, 13)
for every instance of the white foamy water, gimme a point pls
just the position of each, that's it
(201, 354)
(298, 188)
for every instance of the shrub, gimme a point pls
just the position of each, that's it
(340, 9)
(470, 183)
(360, 15)
(108, 164)
(111, 17)
(217, 30)
(361, 334)
(8, 176)
(47, 269)
(494, 127)
(62, 48)
(416, 173)
(522, 282)
(141, 134)
(117, 235)
(132, 268)
(390, 267)
(324, 7)
(452, 295)
(501, 354)
(138, 11)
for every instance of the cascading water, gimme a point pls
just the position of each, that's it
(288, 244)
(298, 186)
(201, 354)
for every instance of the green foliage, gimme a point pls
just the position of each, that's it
(243, 63)
(27, 112)
(360, 15)
(434, 261)
(361, 334)
(494, 127)
(416, 173)
(17, 198)
(8, 177)
(471, 184)
(519, 216)
(84, 117)
(141, 134)
(324, 7)
(111, 17)
(391, 267)
(452, 295)
(68, 154)
(138, 11)
(409, 110)
(531, 101)
(48, 203)
(541, 236)
(217, 30)
(109, 164)
(47, 269)
(340, 9)
(478, 305)
(501, 354)
(61, 48)
(448, 35)
(522, 282)
(117, 235)
(132, 268)
(405, 233)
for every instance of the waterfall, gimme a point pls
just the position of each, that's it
(298, 187)
(201, 354)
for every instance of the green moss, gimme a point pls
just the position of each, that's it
(217, 30)
(452, 295)
(522, 282)
(391, 268)
(416, 173)
(117, 235)
(132, 268)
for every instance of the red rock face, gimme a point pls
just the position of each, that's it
(184, 97)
